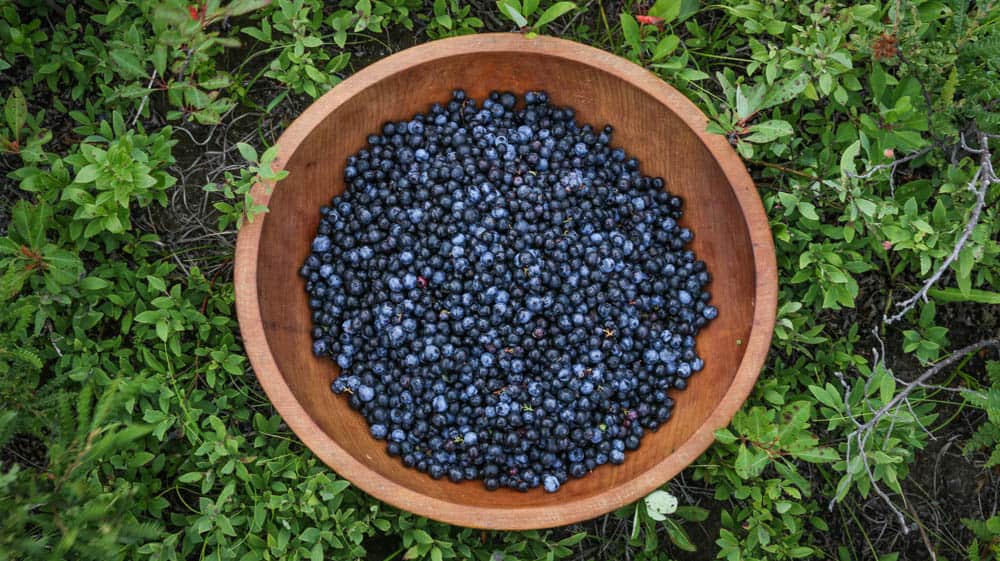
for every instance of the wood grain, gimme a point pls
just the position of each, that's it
(652, 121)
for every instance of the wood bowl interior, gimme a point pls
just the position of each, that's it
(661, 136)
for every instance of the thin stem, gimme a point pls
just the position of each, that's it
(985, 177)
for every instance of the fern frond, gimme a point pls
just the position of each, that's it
(973, 551)
(960, 10)
(987, 48)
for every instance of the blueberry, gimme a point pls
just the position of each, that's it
(366, 393)
(430, 354)
(505, 272)
(439, 404)
(551, 483)
(394, 284)
(321, 244)
(344, 360)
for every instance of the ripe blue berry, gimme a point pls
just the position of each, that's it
(508, 298)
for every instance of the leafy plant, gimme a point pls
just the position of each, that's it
(451, 18)
(987, 399)
(520, 13)
(658, 510)
(14, 139)
(987, 536)
(237, 189)
(109, 179)
(26, 255)
(301, 65)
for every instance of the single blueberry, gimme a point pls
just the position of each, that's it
(551, 483)
(321, 244)
(439, 404)
(366, 393)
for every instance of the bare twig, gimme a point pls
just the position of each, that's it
(891, 165)
(142, 105)
(861, 435)
(857, 440)
(920, 528)
(927, 375)
(984, 177)
(785, 169)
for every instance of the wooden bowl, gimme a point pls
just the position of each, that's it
(652, 121)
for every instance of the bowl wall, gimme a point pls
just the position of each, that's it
(652, 122)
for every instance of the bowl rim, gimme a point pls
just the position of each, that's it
(528, 517)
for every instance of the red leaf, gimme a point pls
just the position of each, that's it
(193, 11)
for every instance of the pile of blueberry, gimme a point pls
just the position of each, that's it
(508, 297)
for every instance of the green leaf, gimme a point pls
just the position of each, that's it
(666, 9)
(421, 536)
(807, 210)
(956, 295)
(725, 436)
(508, 8)
(140, 458)
(819, 455)
(156, 283)
(127, 60)
(572, 540)
(248, 152)
(678, 536)
(160, 58)
(528, 7)
(749, 464)
(94, 283)
(64, 267)
(743, 109)
(16, 112)
(666, 46)
(162, 330)
(240, 7)
(149, 316)
(630, 28)
(769, 131)
(692, 513)
(29, 223)
(191, 477)
(87, 174)
(847, 166)
(785, 91)
(12, 281)
(553, 12)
